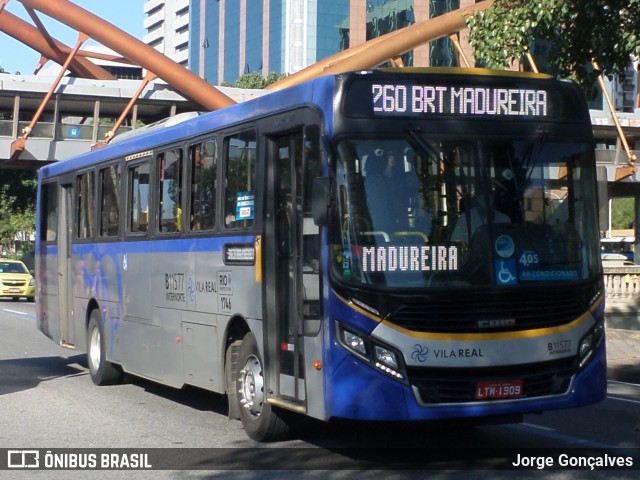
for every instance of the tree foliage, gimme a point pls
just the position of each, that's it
(622, 213)
(255, 80)
(17, 204)
(577, 30)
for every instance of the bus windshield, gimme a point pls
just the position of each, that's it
(418, 211)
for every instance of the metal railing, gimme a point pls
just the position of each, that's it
(60, 130)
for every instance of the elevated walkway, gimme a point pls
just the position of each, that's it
(80, 113)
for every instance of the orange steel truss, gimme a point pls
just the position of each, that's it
(368, 55)
(133, 49)
(387, 48)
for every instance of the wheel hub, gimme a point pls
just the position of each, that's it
(94, 349)
(252, 386)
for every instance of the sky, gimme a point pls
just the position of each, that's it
(127, 15)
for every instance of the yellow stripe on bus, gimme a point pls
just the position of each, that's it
(537, 332)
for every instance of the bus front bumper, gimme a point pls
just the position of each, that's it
(359, 392)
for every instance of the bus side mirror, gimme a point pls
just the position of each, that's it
(321, 200)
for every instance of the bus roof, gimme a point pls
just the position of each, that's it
(170, 132)
(318, 91)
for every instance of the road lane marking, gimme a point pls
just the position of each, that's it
(30, 316)
(14, 311)
(618, 382)
(570, 439)
(623, 399)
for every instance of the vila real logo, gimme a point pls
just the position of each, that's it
(421, 352)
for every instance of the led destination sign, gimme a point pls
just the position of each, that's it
(452, 100)
(461, 96)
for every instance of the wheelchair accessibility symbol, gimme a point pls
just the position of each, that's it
(506, 273)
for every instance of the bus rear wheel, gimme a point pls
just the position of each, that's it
(260, 420)
(101, 371)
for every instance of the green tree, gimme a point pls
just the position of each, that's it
(578, 32)
(17, 204)
(622, 213)
(255, 80)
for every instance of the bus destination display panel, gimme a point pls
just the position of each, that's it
(438, 97)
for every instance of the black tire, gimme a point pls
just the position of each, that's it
(101, 371)
(261, 421)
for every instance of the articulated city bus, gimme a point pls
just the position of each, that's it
(385, 245)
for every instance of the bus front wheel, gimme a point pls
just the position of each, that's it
(260, 420)
(101, 371)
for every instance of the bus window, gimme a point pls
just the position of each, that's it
(85, 184)
(204, 159)
(170, 191)
(240, 165)
(49, 221)
(110, 200)
(138, 205)
(462, 194)
(310, 233)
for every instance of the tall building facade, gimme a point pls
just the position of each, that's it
(167, 26)
(232, 37)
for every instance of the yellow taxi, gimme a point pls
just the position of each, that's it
(16, 281)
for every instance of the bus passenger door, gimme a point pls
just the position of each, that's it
(283, 274)
(64, 265)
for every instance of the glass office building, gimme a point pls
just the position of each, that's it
(229, 38)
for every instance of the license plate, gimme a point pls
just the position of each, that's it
(498, 390)
(14, 290)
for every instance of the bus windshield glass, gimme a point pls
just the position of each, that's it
(418, 211)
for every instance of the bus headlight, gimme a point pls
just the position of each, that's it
(387, 362)
(590, 343)
(354, 342)
(386, 356)
(381, 357)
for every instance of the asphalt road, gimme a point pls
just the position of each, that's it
(48, 402)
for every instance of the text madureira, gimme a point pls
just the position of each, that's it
(414, 259)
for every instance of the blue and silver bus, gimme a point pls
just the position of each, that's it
(384, 245)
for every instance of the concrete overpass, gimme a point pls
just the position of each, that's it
(80, 113)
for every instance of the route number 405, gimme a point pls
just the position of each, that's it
(528, 258)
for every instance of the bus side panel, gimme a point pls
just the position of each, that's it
(47, 285)
(97, 275)
(201, 357)
(142, 348)
(137, 266)
(140, 333)
(202, 342)
(168, 359)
